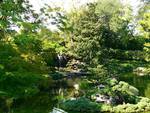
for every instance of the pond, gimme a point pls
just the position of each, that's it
(142, 83)
(45, 101)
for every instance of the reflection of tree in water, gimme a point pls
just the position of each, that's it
(147, 90)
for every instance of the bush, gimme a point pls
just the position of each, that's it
(98, 73)
(80, 105)
(141, 106)
(84, 85)
(106, 108)
(112, 82)
(126, 88)
(18, 85)
(49, 56)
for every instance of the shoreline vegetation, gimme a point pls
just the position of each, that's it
(98, 59)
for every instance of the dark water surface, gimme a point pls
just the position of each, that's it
(45, 101)
(40, 103)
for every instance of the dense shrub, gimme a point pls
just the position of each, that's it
(81, 105)
(121, 92)
(141, 106)
(125, 92)
(98, 73)
(49, 56)
(127, 54)
(17, 84)
(126, 88)
(84, 84)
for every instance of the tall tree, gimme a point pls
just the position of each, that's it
(144, 22)
(100, 26)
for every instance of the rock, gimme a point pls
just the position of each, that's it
(72, 98)
(141, 71)
(103, 99)
(76, 86)
(101, 86)
(57, 110)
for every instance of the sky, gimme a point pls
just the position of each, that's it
(67, 4)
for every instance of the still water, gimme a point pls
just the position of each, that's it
(40, 103)
(45, 101)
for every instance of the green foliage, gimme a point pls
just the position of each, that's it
(17, 84)
(98, 73)
(9, 9)
(95, 33)
(87, 34)
(1, 69)
(84, 85)
(127, 55)
(52, 40)
(49, 56)
(81, 105)
(121, 92)
(101, 26)
(132, 102)
(124, 87)
(142, 106)
(28, 42)
(144, 22)
(112, 82)
(106, 108)
(23, 62)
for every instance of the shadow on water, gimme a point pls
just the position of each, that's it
(142, 83)
(40, 103)
(44, 101)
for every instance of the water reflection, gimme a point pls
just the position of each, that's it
(140, 82)
(44, 101)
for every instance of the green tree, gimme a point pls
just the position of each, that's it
(22, 67)
(144, 22)
(100, 26)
